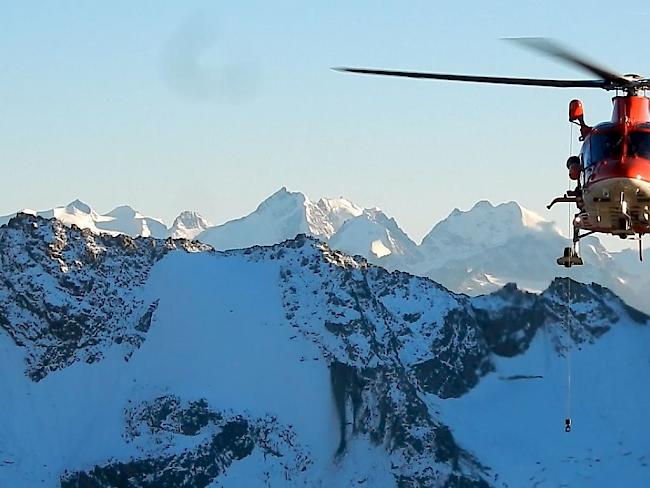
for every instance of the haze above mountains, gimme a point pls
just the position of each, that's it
(474, 252)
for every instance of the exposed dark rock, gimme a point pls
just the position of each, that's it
(65, 293)
(230, 438)
(395, 344)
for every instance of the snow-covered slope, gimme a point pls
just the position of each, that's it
(373, 235)
(513, 420)
(282, 216)
(141, 362)
(482, 228)
(75, 213)
(126, 220)
(480, 250)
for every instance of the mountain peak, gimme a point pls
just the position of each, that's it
(489, 221)
(485, 226)
(482, 204)
(340, 202)
(283, 193)
(282, 215)
(281, 200)
(126, 220)
(373, 234)
(506, 210)
(188, 225)
(78, 205)
(327, 215)
(188, 216)
(123, 211)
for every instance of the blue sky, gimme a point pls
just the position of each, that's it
(212, 106)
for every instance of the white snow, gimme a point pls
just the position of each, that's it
(483, 227)
(372, 234)
(363, 465)
(474, 251)
(282, 216)
(222, 323)
(327, 215)
(379, 249)
(188, 225)
(126, 220)
(220, 334)
(121, 220)
(516, 426)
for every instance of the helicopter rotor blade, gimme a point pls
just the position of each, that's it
(553, 49)
(481, 79)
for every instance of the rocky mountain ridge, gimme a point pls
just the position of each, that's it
(388, 348)
(475, 251)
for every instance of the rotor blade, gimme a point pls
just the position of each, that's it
(480, 79)
(555, 50)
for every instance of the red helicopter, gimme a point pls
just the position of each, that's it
(612, 171)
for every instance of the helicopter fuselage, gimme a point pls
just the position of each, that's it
(615, 159)
(618, 206)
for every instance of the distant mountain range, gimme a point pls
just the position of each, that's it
(122, 220)
(474, 252)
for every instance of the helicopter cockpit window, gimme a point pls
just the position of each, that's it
(638, 144)
(603, 145)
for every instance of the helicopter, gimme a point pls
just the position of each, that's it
(612, 170)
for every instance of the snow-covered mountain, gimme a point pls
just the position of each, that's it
(188, 225)
(75, 213)
(122, 220)
(337, 221)
(142, 362)
(373, 234)
(282, 216)
(126, 220)
(484, 227)
(475, 251)
(480, 250)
